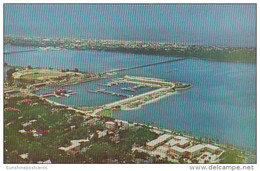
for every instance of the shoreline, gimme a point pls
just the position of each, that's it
(158, 128)
(150, 101)
(232, 54)
(95, 113)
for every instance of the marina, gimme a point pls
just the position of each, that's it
(109, 92)
(58, 93)
(210, 81)
(130, 84)
(127, 89)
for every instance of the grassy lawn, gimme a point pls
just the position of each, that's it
(232, 156)
(106, 113)
(37, 74)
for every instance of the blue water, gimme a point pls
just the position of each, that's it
(221, 105)
(206, 24)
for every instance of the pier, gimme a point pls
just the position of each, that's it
(138, 86)
(133, 88)
(67, 94)
(109, 92)
(127, 89)
(49, 95)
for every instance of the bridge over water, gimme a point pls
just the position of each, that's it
(20, 51)
(142, 66)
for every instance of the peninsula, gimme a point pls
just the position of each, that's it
(164, 89)
(225, 54)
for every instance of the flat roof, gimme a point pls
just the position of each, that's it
(171, 142)
(74, 143)
(182, 140)
(195, 148)
(181, 137)
(110, 122)
(200, 146)
(213, 147)
(162, 148)
(160, 139)
(176, 148)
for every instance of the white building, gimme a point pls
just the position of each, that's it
(171, 143)
(102, 133)
(24, 156)
(74, 147)
(177, 151)
(159, 141)
(110, 125)
(182, 141)
(163, 149)
(193, 151)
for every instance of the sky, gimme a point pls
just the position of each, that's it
(206, 24)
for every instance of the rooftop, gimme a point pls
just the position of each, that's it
(102, 133)
(171, 142)
(178, 149)
(74, 143)
(24, 156)
(213, 147)
(162, 148)
(182, 140)
(195, 148)
(160, 139)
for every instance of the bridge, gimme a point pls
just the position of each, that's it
(142, 66)
(20, 51)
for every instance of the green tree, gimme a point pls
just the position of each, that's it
(36, 152)
(77, 121)
(231, 156)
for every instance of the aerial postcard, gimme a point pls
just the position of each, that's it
(129, 84)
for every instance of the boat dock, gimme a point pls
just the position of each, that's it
(55, 95)
(109, 92)
(49, 95)
(138, 86)
(127, 89)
